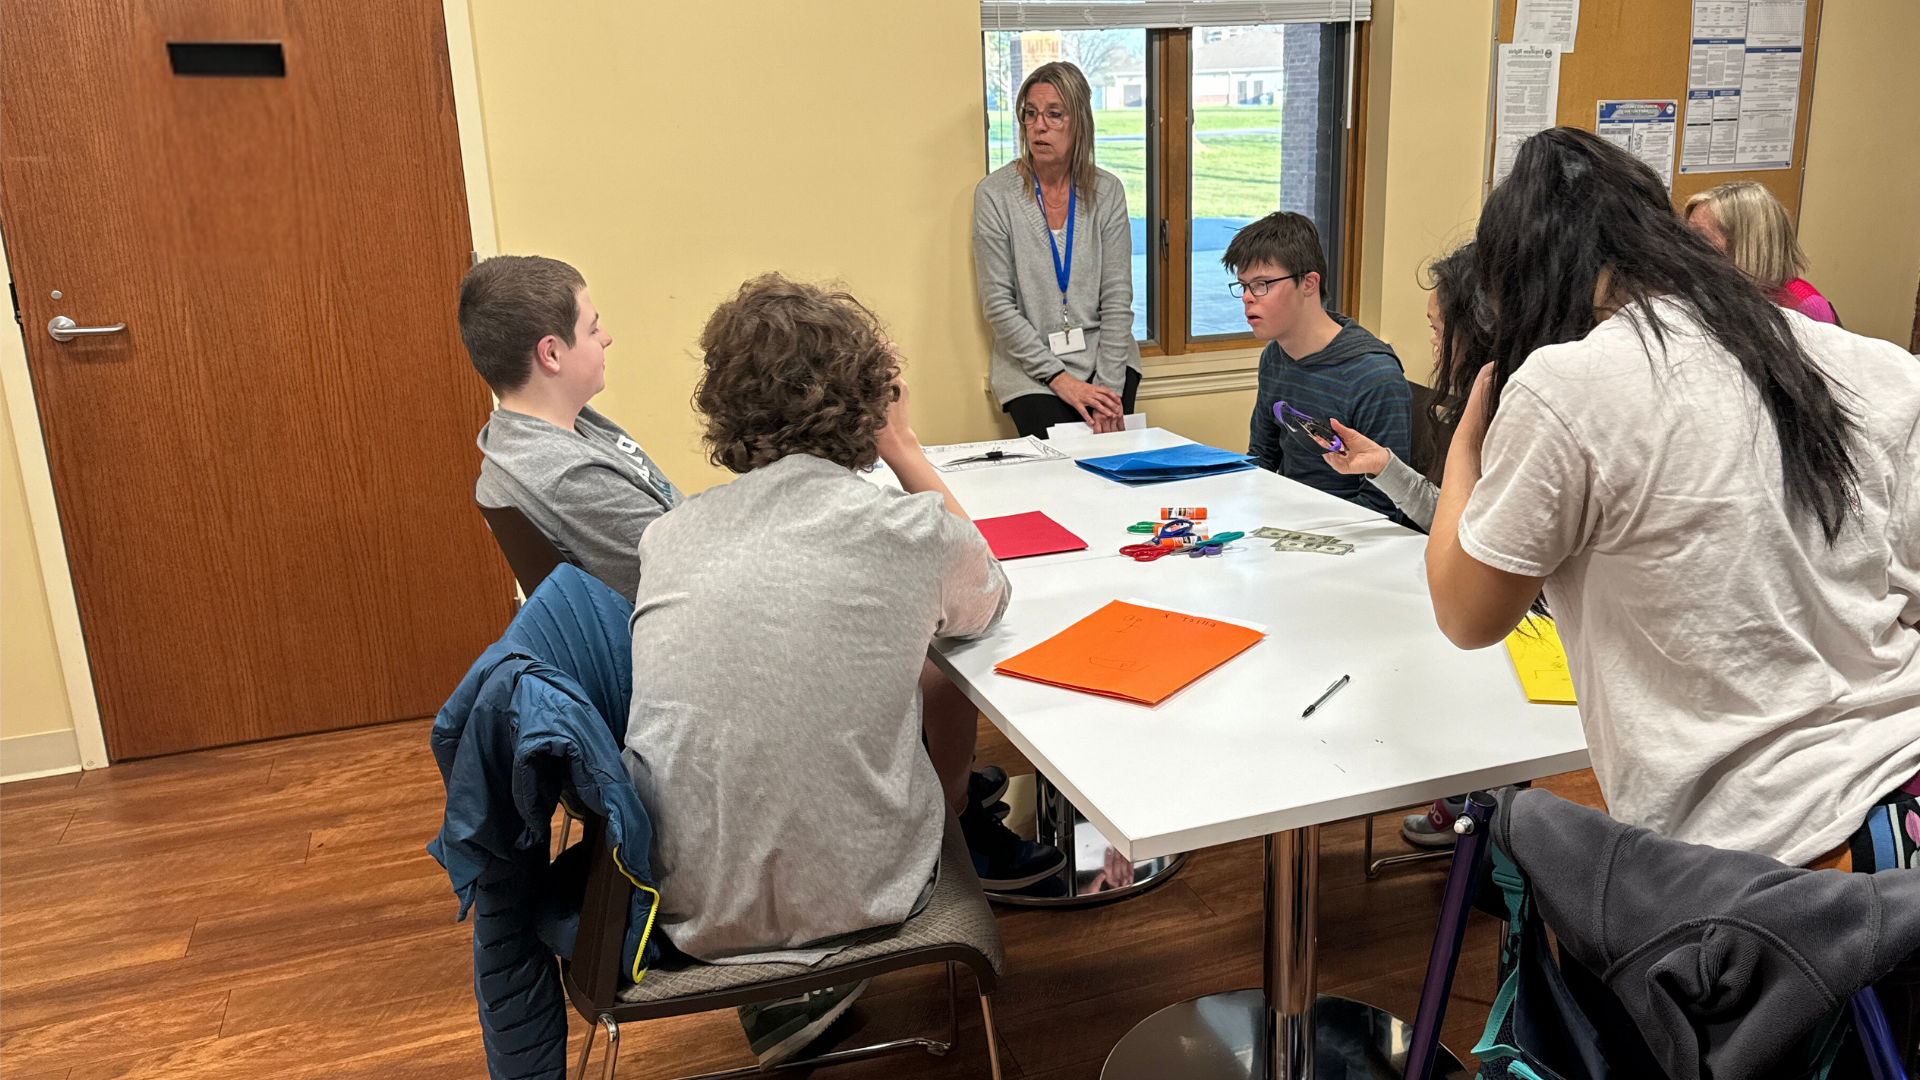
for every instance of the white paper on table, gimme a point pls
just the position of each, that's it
(1529, 99)
(1645, 128)
(956, 457)
(1547, 22)
(1743, 85)
(1259, 628)
(1135, 421)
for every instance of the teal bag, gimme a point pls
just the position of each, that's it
(1555, 1020)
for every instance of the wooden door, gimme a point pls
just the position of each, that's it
(265, 480)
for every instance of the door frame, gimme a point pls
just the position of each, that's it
(16, 383)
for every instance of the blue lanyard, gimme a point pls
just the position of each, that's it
(1061, 270)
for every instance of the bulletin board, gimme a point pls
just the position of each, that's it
(1640, 49)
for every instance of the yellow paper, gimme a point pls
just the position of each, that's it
(1541, 662)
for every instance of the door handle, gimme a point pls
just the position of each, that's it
(61, 328)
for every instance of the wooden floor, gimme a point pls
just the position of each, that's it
(270, 911)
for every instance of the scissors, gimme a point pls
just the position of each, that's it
(1150, 552)
(1211, 545)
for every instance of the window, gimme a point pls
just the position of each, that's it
(1208, 128)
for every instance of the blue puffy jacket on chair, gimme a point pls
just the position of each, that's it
(542, 711)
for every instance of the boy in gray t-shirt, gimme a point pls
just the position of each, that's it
(591, 489)
(780, 633)
(535, 336)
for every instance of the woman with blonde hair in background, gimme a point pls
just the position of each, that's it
(1053, 257)
(1749, 226)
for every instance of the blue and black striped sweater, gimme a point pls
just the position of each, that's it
(1357, 380)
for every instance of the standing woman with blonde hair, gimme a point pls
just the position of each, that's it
(1053, 257)
(1744, 220)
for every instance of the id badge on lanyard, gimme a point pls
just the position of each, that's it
(1069, 338)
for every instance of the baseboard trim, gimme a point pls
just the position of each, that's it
(47, 753)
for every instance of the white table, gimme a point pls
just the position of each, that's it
(1229, 757)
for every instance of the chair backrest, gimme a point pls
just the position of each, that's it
(531, 555)
(591, 976)
(1430, 437)
(574, 622)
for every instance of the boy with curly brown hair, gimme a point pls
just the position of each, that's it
(779, 633)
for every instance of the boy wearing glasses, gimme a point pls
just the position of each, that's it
(1320, 363)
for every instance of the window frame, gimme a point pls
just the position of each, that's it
(1169, 125)
(1170, 182)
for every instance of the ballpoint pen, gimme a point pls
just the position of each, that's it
(1331, 690)
(991, 455)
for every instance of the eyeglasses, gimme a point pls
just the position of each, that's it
(1300, 423)
(1031, 117)
(1259, 286)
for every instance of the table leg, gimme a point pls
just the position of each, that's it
(1284, 1030)
(1292, 933)
(1096, 872)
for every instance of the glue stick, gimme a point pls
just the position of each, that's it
(1191, 513)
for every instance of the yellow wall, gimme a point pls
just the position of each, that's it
(1435, 56)
(33, 693)
(630, 142)
(1860, 206)
(672, 151)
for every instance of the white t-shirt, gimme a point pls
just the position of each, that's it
(1742, 683)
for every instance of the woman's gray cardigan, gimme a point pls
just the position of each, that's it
(1013, 264)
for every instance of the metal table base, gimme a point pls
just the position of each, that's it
(1217, 1037)
(1096, 873)
(1282, 1031)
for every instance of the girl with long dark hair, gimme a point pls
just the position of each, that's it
(1456, 311)
(1720, 500)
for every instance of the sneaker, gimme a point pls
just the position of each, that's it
(987, 786)
(1003, 861)
(778, 1030)
(1433, 829)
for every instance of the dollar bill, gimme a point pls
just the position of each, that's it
(1269, 533)
(1291, 540)
(1313, 547)
(1316, 549)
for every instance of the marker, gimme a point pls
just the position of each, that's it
(1331, 690)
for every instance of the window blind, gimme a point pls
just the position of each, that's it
(1104, 14)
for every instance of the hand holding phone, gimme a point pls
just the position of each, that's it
(1300, 423)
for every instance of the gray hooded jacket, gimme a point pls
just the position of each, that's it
(1724, 959)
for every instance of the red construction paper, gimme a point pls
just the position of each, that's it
(1019, 535)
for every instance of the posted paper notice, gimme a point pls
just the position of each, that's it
(1643, 128)
(1529, 97)
(1547, 22)
(1743, 85)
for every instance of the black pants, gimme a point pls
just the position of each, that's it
(1033, 414)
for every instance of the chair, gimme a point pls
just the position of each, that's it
(1456, 903)
(1425, 1060)
(956, 927)
(531, 555)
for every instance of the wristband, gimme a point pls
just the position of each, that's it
(1049, 379)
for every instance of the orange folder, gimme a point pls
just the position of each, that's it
(1130, 652)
